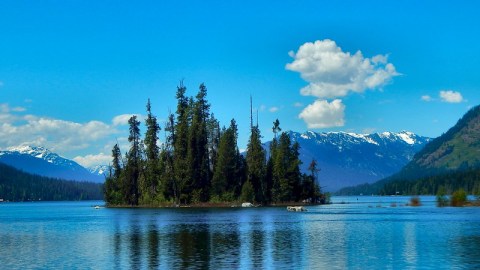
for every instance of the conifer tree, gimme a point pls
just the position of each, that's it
(256, 167)
(133, 161)
(226, 177)
(180, 146)
(152, 155)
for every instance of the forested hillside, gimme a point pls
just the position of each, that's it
(200, 162)
(16, 185)
(451, 160)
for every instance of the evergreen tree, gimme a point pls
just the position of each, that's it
(227, 174)
(170, 185)
(149, 190)
(198, 146)
(133, 168)
(256, 167)
(181, 166)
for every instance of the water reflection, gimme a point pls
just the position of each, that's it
(153, 246)
(273, 238)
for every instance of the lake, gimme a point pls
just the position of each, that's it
(352, 233)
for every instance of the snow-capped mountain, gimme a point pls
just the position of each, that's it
(41, 161)
(101, 170)
(348, 159)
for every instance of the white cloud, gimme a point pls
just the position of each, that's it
(57, 135)
(92, 160)
(426, 98)
(451, 96)
(273, 109)
(332, 73)
(122, 120)
(323, 114)
(297, 104)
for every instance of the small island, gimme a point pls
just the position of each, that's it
(199, 163)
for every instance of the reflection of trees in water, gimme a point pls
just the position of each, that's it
(467, 250)
(225, 248)
(153, 246)
(287, 246)
(135, 240)
(257, 247)
(192, 245)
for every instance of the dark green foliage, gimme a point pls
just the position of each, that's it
(442, 199)
(227, 176)
(285, 182)
(134, 159)
(151, 186)
(468, 180)
(256, 165)
(16, 185)
(198, 162)
(248, 194)
(459, 198)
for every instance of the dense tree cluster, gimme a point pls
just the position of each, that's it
(468, 180)
(16, 185)
(443, 183)
(200, 162)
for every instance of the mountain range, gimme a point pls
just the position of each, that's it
(41, 161)
(348, 159)
(345, 159)
(452, 160)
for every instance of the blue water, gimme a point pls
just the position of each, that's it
(352, 233)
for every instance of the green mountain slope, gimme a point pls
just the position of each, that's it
(452, 155)
(16, 185)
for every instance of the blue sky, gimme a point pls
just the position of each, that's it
(71, 71)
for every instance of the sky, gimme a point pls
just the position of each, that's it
(73, 72)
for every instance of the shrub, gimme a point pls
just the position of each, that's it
(442, 199)
(459, 198)
(415, 201)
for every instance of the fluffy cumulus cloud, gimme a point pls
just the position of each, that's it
(122, 120)
(92, 160)
(451, 96)
(322, 114)
(333, 73)
(58, 135)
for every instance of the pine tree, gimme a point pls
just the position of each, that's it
(198, 146)
(256, 167)
(180, 147)
(152, 154)
(227, 174)
(133, 168)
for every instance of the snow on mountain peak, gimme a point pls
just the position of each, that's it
(407, 137)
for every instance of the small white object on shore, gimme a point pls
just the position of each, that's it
(296, 209)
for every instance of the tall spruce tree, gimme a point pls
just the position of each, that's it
(152, 154)
(113, 182)
(226, 180)
(198, 146)
(133, 167)
(256, 167)
(180, 147)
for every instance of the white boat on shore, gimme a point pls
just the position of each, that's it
(296, 209)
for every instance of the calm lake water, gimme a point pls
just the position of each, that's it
(352, 233)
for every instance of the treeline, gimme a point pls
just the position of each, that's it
(468, 180)
(200, 162)
(16, 185)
